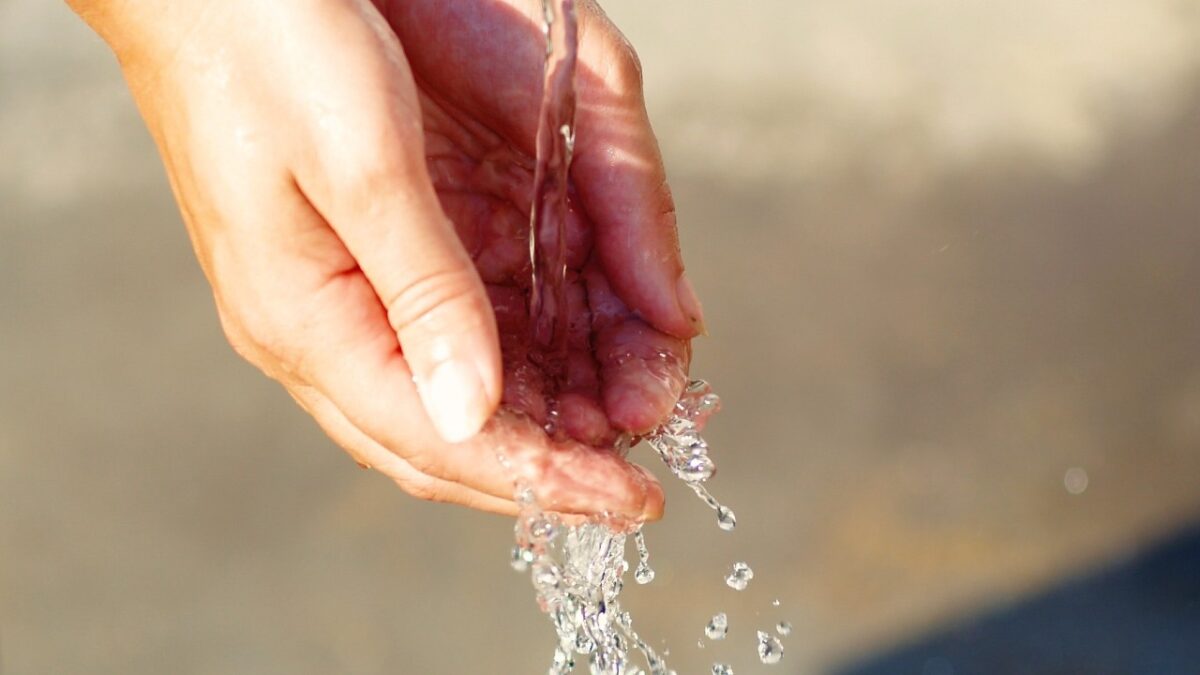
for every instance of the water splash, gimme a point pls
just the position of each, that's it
(680, 446)
(578, 570)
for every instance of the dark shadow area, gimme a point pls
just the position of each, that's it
(1139, 617)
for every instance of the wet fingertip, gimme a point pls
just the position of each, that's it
(654, 504)
(636, 410)
(689, 304)
(652, 496)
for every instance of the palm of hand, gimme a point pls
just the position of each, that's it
(479, 102)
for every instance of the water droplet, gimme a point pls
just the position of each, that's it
(521, 557)
(722, 669)
(740, 577)
(541, 528)
(784, 628)
(775, 602)
(643, 574)
(717, 627)
(1076, 480)
(770, 650)
(546, 576)
(700, 644)
(623, 443)
(525, 497)
(552, 421)
(726, 520)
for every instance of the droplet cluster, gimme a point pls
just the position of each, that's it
(578, 571)
(678, 442)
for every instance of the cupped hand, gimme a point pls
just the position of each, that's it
(356, 180)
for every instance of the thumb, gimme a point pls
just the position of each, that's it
(391, 222)
(363, 169)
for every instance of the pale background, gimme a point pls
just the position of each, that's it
(950, 250)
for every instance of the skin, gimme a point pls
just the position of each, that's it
(356, 181)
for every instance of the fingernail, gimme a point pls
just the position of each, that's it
(690, 304)
(454, 399)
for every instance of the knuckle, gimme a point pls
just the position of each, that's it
(422, 487)
(243, 333)
(262, 333)
(368, 165)
(424, 464)
(261, 339)
(421, 299)
(375, 170)
(236, 336)
(627, 69)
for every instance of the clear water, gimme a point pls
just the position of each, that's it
(717, 627)
(643, 574)
(739, 577)
(770, 649)
(555, 146)
(578, 570)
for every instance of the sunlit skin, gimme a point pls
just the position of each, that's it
(356, 181)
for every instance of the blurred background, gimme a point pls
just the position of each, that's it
(950, 254)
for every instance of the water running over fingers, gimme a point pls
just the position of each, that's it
(578, 569)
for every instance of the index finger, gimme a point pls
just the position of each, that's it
(621, 181)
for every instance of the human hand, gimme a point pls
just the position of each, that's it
(361, 210)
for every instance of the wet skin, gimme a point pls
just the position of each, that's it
(356, 180)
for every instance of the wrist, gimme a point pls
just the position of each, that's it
(142, 32)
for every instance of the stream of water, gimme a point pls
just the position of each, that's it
(578, 570)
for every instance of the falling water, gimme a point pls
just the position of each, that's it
(578, 570)
(548, 214)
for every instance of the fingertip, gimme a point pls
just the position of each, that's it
(644, 372)
(655, 502)
(455, 399)
(689, 306)
(634, 409)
